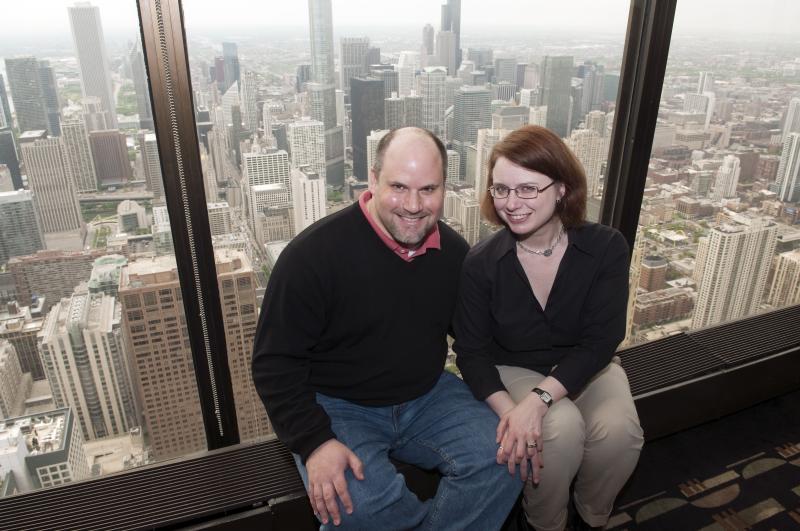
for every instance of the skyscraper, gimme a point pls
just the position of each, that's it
(21, 329)
(308, 197)
(393, 112)
(148, 147)
(366, 98)
(785, 287)
(26, 92)
(78, 155)
(446, 51)
(791, 123)
(556, 92)
(726, 179)
(20, 229)
(591, 150)
(5, 108)
(322, 96)
(307, 145)
(472, 111)
(787, 180)
(268, 182)
(49, 180)
(432, 91)
(353, 59)
(12, 382)
(110, 154)
(9, 157)
(93, 62)
(451, 21)
(427, 40)
(321, 29)
(143, 107)
(248, 94)
(82, 342)
(47, 82)
(486, 140)
(732, 266)
(158, 345)
(230, 64)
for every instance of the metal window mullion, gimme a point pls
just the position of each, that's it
(166, 58)
(643, 65)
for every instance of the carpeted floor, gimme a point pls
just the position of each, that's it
(739, 472)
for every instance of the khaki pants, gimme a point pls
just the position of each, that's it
(595, 436)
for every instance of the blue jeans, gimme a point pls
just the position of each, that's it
(445, 429)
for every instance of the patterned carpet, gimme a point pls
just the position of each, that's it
(740, 472)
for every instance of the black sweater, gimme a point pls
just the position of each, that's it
(344, 316)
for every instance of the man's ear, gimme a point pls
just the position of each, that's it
(373, 181)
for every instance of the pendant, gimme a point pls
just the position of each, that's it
(547, 252)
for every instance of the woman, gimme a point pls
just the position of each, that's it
(541, 312)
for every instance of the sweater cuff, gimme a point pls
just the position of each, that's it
(307, 445)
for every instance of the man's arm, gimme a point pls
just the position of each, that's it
(292, 319)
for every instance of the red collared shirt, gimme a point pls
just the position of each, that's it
(432, 240)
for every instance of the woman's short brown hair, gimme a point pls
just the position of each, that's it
(539, 149)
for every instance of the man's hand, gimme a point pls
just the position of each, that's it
(326, 482)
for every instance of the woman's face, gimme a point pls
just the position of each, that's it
(525, 216)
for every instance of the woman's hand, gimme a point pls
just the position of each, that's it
(520, 436)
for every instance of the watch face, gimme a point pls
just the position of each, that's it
(547, 397)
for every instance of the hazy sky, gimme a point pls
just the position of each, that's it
(733, 16)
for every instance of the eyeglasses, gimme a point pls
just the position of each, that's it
(523, 191)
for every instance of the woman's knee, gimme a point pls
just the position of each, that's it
(564, 427)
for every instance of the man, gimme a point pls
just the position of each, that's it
(350, 349)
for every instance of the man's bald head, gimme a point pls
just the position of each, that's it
(405, 132)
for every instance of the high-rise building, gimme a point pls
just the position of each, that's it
(791, 122)
(453, 165)
(307, 145)
(487, 138)
(431, 83)
(43, 450)
(26, 93)
(93, 61)
(219, 218)
(320, 22)
(593, 76)
(268, 182)
(248, 94)
(237, 287)
(451, 21)
(388, 75)
(472, 111)
(107, 274)
(51, 274)
(705, 82)
(110, 154)
(700, 104)
(14, 384)
(413, 111)
(463, 207)
(78, 155)
(148, 148)
(653, 273)
(9, 157)
(366, 98)
(393, 112)
(158, 345)
(427, 39)
(591, 150)
(446, 51)
(505, 69)
(308, 196)
(47, 82)
(787, 179)
(372, 146)
(139, 73)
(785, 287)
(726, 178)
(353, 59)
(53, 188)
(21, 329)
(230, 64)
(82, 342)
(732, 265)
(557, 74)
(5, 108)
(510, 117)
(94, 115)
(20, 229)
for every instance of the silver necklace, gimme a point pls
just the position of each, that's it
(543, 252)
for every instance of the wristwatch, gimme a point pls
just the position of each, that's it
(546, 397)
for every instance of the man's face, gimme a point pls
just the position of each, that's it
(408, 195)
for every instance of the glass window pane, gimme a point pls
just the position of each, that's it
(292, 99)
(718, 237)
(88, 276)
